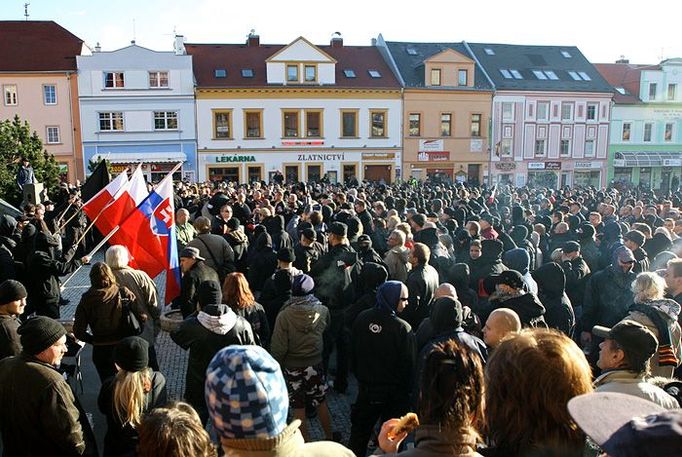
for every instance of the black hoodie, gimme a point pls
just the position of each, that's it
(489, 263)
(262, 262)
(551, 292)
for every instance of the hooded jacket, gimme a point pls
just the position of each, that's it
(7, 247)
(239, 243)
(398, 266)
(372, 276)
(422, 282)
(275, 227)
(489, 263)
(551, 283)
(262, 262)
(297, 340)
(607, 297)
(527, 306)
(519, 234)
(577, 274)
(519, 260)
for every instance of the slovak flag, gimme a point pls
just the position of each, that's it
(149, 235)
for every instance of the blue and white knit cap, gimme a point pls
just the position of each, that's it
(246, 394)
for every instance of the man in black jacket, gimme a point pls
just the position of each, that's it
(195, 271)
(422, 281)
(577, 272)
(383, 357)
(634, 240)
(215, 250)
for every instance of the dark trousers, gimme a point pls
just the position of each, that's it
(338, 337)
(49, 310)
(369, 408)
(103, 359)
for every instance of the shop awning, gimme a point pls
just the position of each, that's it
(648, 159)
(146, 157)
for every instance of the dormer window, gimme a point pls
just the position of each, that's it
(374, 73)
(292, 73)
(349, 73)
(220, 73)
(310, 73)
(247, 72)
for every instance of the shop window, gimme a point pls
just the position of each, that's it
(349, 171)
(253, 174)
(291, 174)
(543, 179)
(314, 173)
(224, 174)
(587, 178)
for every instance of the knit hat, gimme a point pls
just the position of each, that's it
(39, 333)
(11, 290)
(636, 237)
(246, 395)
(233, 223)
(132, 354)
(511, 278)
(302, 285)
(338, 229)
(209, 293)
(309, 234)
(286, 255)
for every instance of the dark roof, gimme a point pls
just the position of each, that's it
(411, 65)
(37, 46)
(525, 59)
(206, 58)
(626, 76)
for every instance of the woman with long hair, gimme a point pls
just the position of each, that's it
(127, 396)
(529, 380)
(237, 295)
(450, 405)
(101, 309)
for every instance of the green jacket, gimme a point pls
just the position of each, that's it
(185, 233)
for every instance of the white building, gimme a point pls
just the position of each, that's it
(137, 105)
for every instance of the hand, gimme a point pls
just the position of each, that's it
(144, 317)
(585, 338)
(85, 259)
(390, 445)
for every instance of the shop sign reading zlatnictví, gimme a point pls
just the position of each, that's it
(238, 159)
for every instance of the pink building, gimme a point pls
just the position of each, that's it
(38, 78)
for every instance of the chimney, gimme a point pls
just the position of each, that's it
(98, 48)
(623, 60)
(337, 40)
(253, 39)
(179, 46)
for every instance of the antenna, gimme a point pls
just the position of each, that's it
(134, 32)
(26, 5)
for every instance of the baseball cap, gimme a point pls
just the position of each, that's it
(638, 342)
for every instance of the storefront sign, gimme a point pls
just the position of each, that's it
(552, 165)
(303, 143)
(668, 113)
(536, 165)
(319, 157)
(378, 155)
(476, 146)
(222, 159)
(584, 165)
(505, 166)
(433, 156)
(672, 162)
(430, 145)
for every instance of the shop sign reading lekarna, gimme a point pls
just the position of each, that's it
(237, 159)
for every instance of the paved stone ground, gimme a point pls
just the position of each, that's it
(173, 363)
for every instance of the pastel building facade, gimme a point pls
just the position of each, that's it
(137, 106)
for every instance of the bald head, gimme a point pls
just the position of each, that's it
(500, 323)
(446, 290)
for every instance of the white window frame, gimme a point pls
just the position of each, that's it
(591, 153)
(596, 112)
(55, 130)
(10, 90)
(651, 132)
(507, 112)
(166, 117)
(111, 117)
(537, 111)
(653, 86)
(45, 101)
(435, 77)
(114, 79)
(566, 142)
(571, 108)
(622, 132)
(672, 86)
(157, 75)
(465, 80)
(544, 147)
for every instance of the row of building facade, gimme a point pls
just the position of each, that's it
(459, 111)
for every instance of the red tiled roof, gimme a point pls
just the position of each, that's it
(624, 75)
(37, 46)
(206, 58)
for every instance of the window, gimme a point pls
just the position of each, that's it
(627, 126)
(415, 124)
(574, 75)
(476, 125)
(292, 73)
(489, 51)
(158, 79)
(435, 76)
(566, 54)
(621, 90)
(165, 120)
(506, 73)
(313, 124)
(378, 127)
(349, 124)
(462, 77)
(10, 95)
(648, 126)
(507, 111)
(290, 120)
(539, 148)
(247, 72)
(411, 51)
(584, 76)
(565, 148)
(220, 73)
(516, 74)
(543, 111)
(540, 75)
(589, 148)
(672, 89)
(551, 75)
(506, 147)
(374, 73)
(53, 135)
(348, 73)
(566, 111)
(50, 94)
(652, 91)
(111, 121)
(252, 123)
(114, 79)
(668, 132)
(446, 124)
(310, 72)
(592, 111)
(222, 124)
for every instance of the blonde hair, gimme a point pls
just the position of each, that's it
(130, 390)
(404, 227)
(647, 287)
(393, 221)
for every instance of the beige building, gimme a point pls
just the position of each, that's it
(446, 110)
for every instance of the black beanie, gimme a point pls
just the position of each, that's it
(11, 290)
(39, 333)
(286, 255)
(132, 354)
(209, 293)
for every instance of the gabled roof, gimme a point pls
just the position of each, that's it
(526, 59)
(37, 46)
(277, 56)
(409, 58)
(625, 77)
(234, 58)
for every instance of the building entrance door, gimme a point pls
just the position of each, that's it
(378, 173)
(474, 174)
(291, 174)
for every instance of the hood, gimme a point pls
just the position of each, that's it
(463, 238)
(491, 250)
(586, 231)
(612, 231)
(517, 214)
(669, 307)
(429, 236)
(388, 295)
(507, 243)
(275, 224)
(219, 319)
(519, 234)
(517, 259)
(551, 279)
(460, 275)
(446, 315)
(373, 275)
(527, 306)
(305, 315)
(263, 241)
(7, 225)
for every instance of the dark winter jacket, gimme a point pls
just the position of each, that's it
(577, 274)
(551, 292)
(590, 252)
(101, 311)
(189, 287)
(9, 338)
(422, 282)
(335, 274)
(519, 234)
(239, 243)
(306, 256)
(607, 297)
(641, 260)
(658, 243)
(276, 292)
(488, 264)
(280, 238)
(371, 277)
(527, 306)
(217, 252)
(256, 316)
(262, 262)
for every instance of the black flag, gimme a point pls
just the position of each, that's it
(96, 181)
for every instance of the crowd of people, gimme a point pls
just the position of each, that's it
(503, 317)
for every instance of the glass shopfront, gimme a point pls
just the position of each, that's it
(587, 178)
(547, 179)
